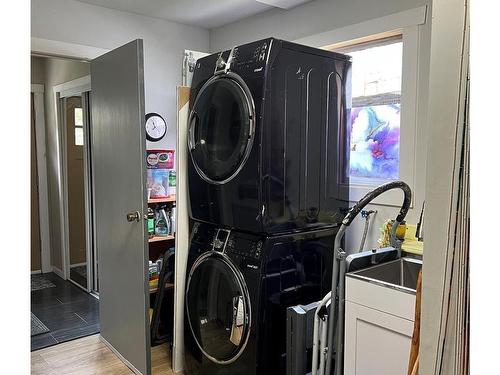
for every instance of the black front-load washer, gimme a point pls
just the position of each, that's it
(267, 137)
(238, 288)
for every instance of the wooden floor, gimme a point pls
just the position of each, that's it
(89, 355)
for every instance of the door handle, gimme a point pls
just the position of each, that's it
(134, 216)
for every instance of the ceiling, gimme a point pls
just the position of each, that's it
(203, 13)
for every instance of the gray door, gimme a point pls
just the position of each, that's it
(118, 145)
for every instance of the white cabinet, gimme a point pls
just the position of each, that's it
(378, 329)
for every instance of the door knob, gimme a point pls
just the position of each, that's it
(134, 216)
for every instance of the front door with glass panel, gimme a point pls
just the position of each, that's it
(222, 126)
(218, 308)
(76, 188)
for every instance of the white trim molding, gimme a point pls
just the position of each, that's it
(74, 87)
(58, 272)
(41, 159)
(120, 356)
(70, 88)
(63, 49)
(381, 25)
(77, 264)
(449, 62)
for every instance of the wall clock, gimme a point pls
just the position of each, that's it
(156, 127)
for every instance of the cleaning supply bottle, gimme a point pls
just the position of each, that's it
(151, 222)
(161, 226)
(167, 220)
(172, 221)
(172, 183)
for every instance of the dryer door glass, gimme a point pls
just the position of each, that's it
(221, 129)
(218, 311)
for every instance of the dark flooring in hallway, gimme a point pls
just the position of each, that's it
(68, 311)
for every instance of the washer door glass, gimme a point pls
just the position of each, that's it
(217, 307)
(221, 129)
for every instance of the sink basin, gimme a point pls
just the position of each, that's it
(399, 274)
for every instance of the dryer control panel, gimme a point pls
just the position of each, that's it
(252, 56)
(244, 245)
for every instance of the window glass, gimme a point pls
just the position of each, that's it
(376, 109)
(78, 117)
(78, 136)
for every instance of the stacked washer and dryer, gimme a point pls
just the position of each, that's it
(268, 189)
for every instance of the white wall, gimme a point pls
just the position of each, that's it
(164, 43)
(308, 19)
(321, 16)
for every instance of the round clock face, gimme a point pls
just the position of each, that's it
(156, 127)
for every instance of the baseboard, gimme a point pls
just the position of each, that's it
(78, 285)
(118, 354)
(58, 272)
(36, 272)
(77, 265)
(94, 294)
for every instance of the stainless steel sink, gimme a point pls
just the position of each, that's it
(400, 274)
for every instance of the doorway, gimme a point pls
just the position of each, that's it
(81, 257)
(62, 309)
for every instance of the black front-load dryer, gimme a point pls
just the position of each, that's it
(238, 288)
(268, 138)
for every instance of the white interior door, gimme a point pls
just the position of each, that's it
(118, 146)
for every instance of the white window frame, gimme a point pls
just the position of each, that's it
(408, 24)
(386, 40)
(76, 126)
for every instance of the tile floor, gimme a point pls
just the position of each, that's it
(66, 310)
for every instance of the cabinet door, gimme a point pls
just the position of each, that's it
(375, 342)
(118, 145)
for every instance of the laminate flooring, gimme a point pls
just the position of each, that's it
(89, 355)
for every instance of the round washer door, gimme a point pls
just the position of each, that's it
(221, 128)
(218, 308)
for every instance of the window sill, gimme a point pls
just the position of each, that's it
(357, 190)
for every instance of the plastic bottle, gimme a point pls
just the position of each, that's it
(167, 220)
(172, 183)
(172, 221)
(159, 265)
(151, 222)
(161, 226)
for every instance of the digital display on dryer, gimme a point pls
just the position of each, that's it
(245, 247)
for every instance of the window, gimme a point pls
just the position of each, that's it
(408, 32)
(78, 117)
(376, 110)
